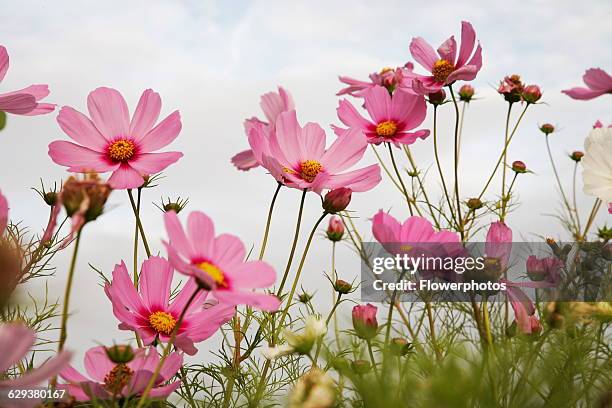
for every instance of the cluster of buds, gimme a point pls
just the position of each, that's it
(466, 93)
(335, 229)
(337, 200)
(314, 389)
(364, 321)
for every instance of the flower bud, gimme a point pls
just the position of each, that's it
(342, 287)
(364, 321)
(576, 156)
(511, 87)
(474, 204)
(532, 93)
(314, 389)
(303, 341)
(120, 354)
(466, 93)
(50, 198)
(519, 167)
(547, 129)
(177, 206)
(88, 195)
(335, 229)
(361, 366)
(337, 200)
(437, 98)
(604, 233)
(400, 346)
(304, 297)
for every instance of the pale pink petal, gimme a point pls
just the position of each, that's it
(155, 283)
(82, 130)
(18, 104)
(408, 110)
(97, 363)
(378, 103)
(287, 137)
(70, 374)
(165, 390)
(163, 134)
(253, 274)
(4, 62)
(272, 104)
(425, 85)
(16, 339)
(208, 321)
(125, 177)
(177, 236)
(79, 158)
(357, 180)
(185, 343)
(228, 251)
(41, 374)
(468, 39)
(245, 160)
(448, 50)
(4, 211)
(172, 364)
(265, 302)
(351, 117)
(41, 109)
(312, 141)
(409, 138)
(346, 151)
(151, 163)
(423, 53)
(146, 114)
(109, 112)
(355, 85)
(38, 91)
(386, 228)
(201, 233)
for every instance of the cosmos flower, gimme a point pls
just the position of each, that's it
(596, 164)
(111, 380)
(598, 82)
(111, 142)
(296, 156)
(24, 101)
(16, 340)
(391, 117)
(150, 313)
(272, 104)
(218, 262)
(387, 77)
(446, 66)
(499, 243)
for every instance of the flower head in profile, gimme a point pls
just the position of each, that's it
(109, 380)
(296, 156)
(598, 82)
(149, 312)
(388, 78)
(596, 164)
(511, 87)
(112, 142)
(391, 117)
(24, 101)
(16, 340)
(272, 104)
(446, 66)
(364, 321)
(335, 229)
(217, 262)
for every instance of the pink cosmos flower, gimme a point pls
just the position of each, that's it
(4, 210)
(543, 269)
(388, 77)
(218, 262)
(150, 313)
(598, 82)
(16, 340)
(391, 117)
(110, 141)
(296, 156)
(110, 380)
(446, 66)
(499, 242)
(272, 104)
(23, 101)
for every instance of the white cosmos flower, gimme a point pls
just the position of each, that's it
(597, 164)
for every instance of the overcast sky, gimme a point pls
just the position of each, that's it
(212, 60)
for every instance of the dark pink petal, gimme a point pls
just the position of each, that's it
(409, 138)
(41, 109)
(207, 322)
(253, 274)
(145, 115)
(265, 302)
(201, 233)
(18, 104)
(70, 374)
(97, 363)
(468, 39)
(465, 73)
(425, 85)
(38, 91)
(346, 151)
(354, 85)
(448, 50)
(385, 228)
(173, 363)
(155, 283)
(163, 134)
(151, 163)
(245, 160)
(79, 158)
(408, 110)
(423, 53)
(4, 62)
(82, 130)
(597, 79)
(350, 116)
(122, 289)
(179, 302)
(378, 103)
(109, 112)
(582, 93)
(125, 177)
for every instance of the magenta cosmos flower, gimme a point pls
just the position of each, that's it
(110, 141)
(388, 77)
(23, 101)
(272, 104)
(110, 380)
(446, 66)
(150, 313)
(391, 117)
(218, 262)
(598, 82)
(4, 210)
(296, 156)
(16, 340)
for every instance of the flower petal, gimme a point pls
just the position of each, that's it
(346, 151)
(253, 274)
(468, 39)
(163, 134)
(357, 180)
(82, 130)
(349, 115)
(201, 233)
(151, 163)
(109, 112)
(79, 158)
(378, 103)
(125, 177)
(97, 363)
(448, 50)
(245, 160)
(155, 281)
(145, 115)
(4, 62)
(265, 302)
(423, 53)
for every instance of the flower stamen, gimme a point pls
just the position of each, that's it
(309, 170)
(214, 272)
(387, 128)
(117, 378)
(441, 70)
(162, 322)
(121, 150)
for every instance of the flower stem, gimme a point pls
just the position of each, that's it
(268, 222)
(399, 177)
(136, 276)
(594, 210)
(456, 166)
(296, 237)
(329, 316)
(68, 290)
(421, 186)
(505, 160)
(139, 223)
(373, 360)
(439, 166)
(563, 196)
(432, 330)
(574, 197)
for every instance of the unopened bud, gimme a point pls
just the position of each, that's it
(466, 93)
(304, 297)
(342, 287)
(50, 198)
(519, 167)
(576, 156)
(120, 354)
(335, 229)
(474, 204)
(547, 129)
(337, 200)
(400, 346)
(364, 321)
(437, 98)
(532, 93)
(361, 366)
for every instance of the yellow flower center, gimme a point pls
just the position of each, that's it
(386, 128)
(309, 170)
(214, 272)
(162, 322)
(385, 70)
(121, 150)
(117, 378)
(441, 70)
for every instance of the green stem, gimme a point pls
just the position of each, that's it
(574, 198)
(563, 196)
(373, 360)
(268, 222)
(67, 292)
(296, 237)
(505, 159)
(456, 166)
(439, 166)
(399, 177)
(139, 223)
(329, 316)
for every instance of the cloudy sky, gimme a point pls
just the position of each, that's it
(212, 60)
